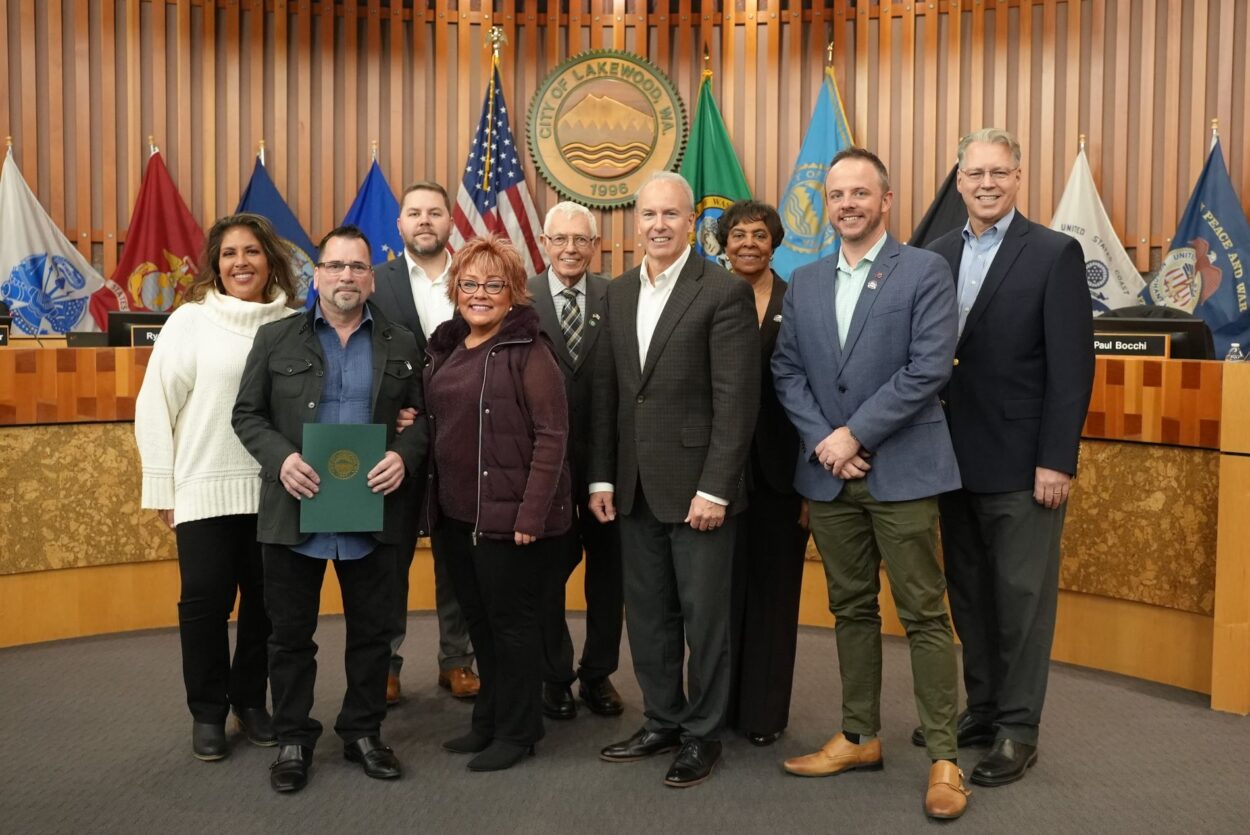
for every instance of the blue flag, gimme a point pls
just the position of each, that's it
(809, 237)
(261, 197)
(1205, 271)
(374, 211)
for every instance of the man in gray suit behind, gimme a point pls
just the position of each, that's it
(675, 402)
(570, 302)
(866, 344)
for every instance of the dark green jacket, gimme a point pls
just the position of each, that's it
(280, 392)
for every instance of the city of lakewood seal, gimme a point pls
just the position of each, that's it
(344, 464)
(601, 123)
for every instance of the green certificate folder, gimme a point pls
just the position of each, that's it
(342, 454)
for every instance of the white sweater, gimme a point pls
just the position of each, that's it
(192, 460)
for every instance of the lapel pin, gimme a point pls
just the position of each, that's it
(777, 318)
(872, 282)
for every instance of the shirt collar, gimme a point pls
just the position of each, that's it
(438, 279)
(556, 286)
(870, 256)
(319, 319)
(672, 271)
(998, 228)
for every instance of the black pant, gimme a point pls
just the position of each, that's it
(499, 586)
(768, 582)
(216, 557)
(605, 600)
(293, 597)
(1001, 552)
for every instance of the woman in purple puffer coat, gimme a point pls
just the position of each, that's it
(500, 487)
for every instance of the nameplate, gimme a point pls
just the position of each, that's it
(144, 336)
(1133, 344)
(4, 336)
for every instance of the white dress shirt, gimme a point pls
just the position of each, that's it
(429, 295)
(652, 297)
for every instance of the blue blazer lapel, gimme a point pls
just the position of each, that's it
(877, 276)
(687, 286)
(1014, 242)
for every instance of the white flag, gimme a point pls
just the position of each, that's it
(1113, 279)
(43, 278)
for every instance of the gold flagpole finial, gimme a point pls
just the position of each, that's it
(1080, 141)
(373, 149)
(152, 149)
(496, 38)
(260, 151)
(1215, 128)
(8, 142)
(829, 54)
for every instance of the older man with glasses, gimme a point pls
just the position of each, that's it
(340, 362)
(571, 302)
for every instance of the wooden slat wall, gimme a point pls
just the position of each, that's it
(87, 81)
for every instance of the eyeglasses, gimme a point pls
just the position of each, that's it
(998, 175)
(494, 286)
(336, 267)
(579, 241)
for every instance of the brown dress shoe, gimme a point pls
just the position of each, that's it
(838, 755)
(393, 693)
(461, 681)
(947, 797)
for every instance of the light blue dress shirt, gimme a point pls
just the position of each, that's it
(978, 254)
(851, 280)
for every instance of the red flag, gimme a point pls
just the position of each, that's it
(162, 248)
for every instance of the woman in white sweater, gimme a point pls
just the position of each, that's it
(204, 484)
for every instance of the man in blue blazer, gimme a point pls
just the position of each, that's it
(866, 344)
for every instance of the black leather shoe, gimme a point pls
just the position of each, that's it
(558, 701)
(257, 725)
(289, 772)
(763, 739)
(208, 741)
(694, 763)
(1005, 763)
(969, 733)
(641, 745)
(499, 756)
(601, 697)
(471, 743)
(376, 759)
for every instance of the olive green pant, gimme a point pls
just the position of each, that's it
(855, 533)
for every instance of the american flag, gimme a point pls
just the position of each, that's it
(493, 197)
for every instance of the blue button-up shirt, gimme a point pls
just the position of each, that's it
(978, 254)
(345, 398)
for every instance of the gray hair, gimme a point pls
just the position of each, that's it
(668, 177)
(995, 136)
(571, 210)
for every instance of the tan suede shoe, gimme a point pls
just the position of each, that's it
(947, 797)
(838, 755)
(461, 681)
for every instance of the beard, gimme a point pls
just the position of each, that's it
(418, 251)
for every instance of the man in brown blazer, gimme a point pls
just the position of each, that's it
(675, 402)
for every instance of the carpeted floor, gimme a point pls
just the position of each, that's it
(96, 739)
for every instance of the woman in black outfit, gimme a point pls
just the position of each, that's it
(772, 532)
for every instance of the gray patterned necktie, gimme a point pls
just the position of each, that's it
(571, 322)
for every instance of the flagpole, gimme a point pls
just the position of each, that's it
(495, 37)
(152, 149)
(260, 152)
(1215, 132)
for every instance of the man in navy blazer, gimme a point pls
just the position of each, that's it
(1016, 404)
(866, 344)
